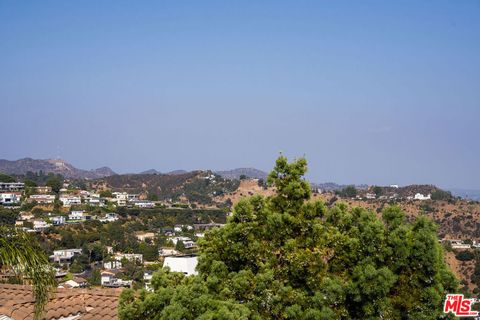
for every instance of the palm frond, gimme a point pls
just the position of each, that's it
(21, 254)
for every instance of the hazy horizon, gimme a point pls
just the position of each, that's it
(373, 92)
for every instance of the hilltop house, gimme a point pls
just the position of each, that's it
(76, 282)
(79, 216)
(179, 227)
(121, 198)
(147, 279)
(112, 265)
(420, 196)
(108, 279)
(166, 252)
(58, 220)
(144, 204)
(109, 217)
(40, 225)
(129, 256)
(187, 242)
(64, 256)
(143, 236)
(12, 186)
(9, 198)
(42, 198)
(69, 200)
(185, 265)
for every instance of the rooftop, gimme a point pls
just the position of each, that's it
(17, 302)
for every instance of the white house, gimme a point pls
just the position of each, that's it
(166, 252)
(42, 198)
(189, 244)
(459, 244)
(112, 265)
(176, 239)
(132, 197)
(419, 196)
(185, 265)
(79, 216)
(179, 227)
(144, 204)
(12, 186)
(147, 279)
(129, 256)
(9, 198)
(77, 282)
(65, 256)
(97, 202)
(58, 220)
(109, 217)
(85, 194)
(121, 198)
(40, 225)
(108, 279)
(69, 200)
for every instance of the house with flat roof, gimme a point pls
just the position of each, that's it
(70, 200)
(185, 265)
(42, 198)
(64, 256)
(9, 198)
(109, 279)
(12, 186)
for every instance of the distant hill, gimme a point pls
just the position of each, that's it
(154, 171)
(22, 166)
(332, 186)
(248, 172)
(150, 171)
(466, 193)
(175, 172)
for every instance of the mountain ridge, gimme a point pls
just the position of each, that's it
(56, 166)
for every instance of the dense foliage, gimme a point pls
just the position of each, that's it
(284, 257)
(196, 186)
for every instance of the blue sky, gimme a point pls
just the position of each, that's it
(375, 92)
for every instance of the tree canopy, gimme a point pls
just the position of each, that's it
(286, 257)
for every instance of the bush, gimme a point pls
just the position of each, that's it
(465, 256)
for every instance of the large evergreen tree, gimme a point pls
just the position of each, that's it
(285, 257)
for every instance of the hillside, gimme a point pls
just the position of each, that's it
(196, 187)
(22, 166)
(456, 218)
(247, 172)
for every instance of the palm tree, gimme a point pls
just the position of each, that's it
(20, 254)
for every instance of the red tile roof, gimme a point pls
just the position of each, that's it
(17, 302)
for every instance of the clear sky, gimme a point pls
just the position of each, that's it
(375, 92)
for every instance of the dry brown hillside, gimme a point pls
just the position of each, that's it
(459, 219)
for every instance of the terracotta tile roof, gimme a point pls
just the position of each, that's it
(16, 302)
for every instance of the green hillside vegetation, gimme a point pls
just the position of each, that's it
(120, 234)
(283, 257)
(195, 185)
